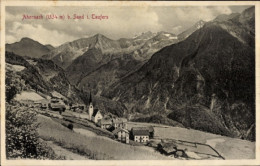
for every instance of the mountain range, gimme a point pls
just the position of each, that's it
(202, 78)
(206, 82)
(99, 73)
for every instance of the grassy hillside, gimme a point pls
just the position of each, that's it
(93, 147)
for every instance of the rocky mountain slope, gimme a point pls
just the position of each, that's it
(145, 45)
(65, 54)
(28, 47)
(84, 58)
(190, 30)
(206, 82)
(154, 44)
(112, 68)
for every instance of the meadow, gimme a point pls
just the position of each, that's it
(99, 148)
(230, 148)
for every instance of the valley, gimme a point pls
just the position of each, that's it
(97, 144)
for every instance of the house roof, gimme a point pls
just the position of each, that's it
(168, 145)
(169, 149)
(120, 129)
(106, 121)
(119, 120)
(150, 128)
(95, 112)
(140, 132)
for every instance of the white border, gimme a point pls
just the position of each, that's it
(127, 162)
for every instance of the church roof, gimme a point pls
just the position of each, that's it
(95, 112)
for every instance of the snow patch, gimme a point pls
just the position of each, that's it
(166, 34)
(173, 37)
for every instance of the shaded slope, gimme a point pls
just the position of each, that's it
(211, 62)
(45, 77)
(40, 75)
(115, 66)
(28, 47)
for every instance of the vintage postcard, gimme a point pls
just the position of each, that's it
(129, 83)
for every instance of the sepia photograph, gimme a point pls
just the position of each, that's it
(141, 81)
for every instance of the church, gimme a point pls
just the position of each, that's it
(94, 114)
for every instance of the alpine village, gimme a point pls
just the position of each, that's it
(156, 96)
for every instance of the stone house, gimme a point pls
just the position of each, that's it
(122, 135)
(119, 123)
(105, 123)
(140, 135)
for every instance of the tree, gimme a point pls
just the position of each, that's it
(22, 139)
(10, 93)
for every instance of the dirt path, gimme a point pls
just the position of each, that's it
(65, 153)
(214, 142)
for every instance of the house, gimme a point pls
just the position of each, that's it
(96, 116)
(122, 135)
(140, 135)
(105, 123)
(119, 123)
(150, 129)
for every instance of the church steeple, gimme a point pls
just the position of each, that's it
(90, 98)
(90, 107)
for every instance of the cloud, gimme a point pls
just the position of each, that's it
(37, 33)
(123, 21)
(203, 12)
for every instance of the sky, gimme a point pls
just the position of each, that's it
(122, 22)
